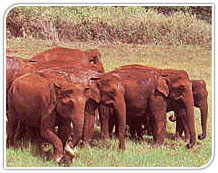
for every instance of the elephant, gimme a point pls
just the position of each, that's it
(46, 98)
(67, 55)
(16, 67)
(200, 95)
(52, 58)
(131, 96)
(180, 93)
(55, 57)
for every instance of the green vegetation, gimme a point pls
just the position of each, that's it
(175, 38)
(141, 25)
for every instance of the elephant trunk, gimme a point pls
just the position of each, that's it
(189, 119)
(78, 123)
(120, 108)
(204, 112)
(104, 114)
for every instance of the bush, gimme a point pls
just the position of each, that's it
(141, 25)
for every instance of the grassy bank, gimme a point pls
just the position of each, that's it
(196, 60)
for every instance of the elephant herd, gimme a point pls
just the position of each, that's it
(57, 94)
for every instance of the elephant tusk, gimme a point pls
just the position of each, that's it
(179, 97)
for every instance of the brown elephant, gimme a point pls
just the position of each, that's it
(16, 67)
(130, 93)
(68, 55)
(180, 93)
(55, 57)
(43, 98)
(200, 95)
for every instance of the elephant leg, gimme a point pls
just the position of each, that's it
(179, 128)
(20, 130)
(150, 125)
(35, 135)
(12, 126)
(181, 125)
(139, 131)
(158, 108)
(88, 130)
(104, 114)
(46, 131)
(204, 111)
(111, 125)
(131, 131)
(116, 126)
(11, 130)
(89, 121)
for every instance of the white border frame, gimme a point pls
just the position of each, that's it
(113, 4)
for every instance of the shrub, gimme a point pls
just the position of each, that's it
(141, 25)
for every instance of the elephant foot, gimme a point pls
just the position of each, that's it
(177, 137)
(122, 146)
(189, 146)
(186, 139)
(57, 158)
(66, 160)
(46, 147)
(69, 150)
(105, 136)
(201, 137)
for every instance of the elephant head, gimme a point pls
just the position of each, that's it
(94, 57)
(71, 101)
(112, 94)
(180, 91)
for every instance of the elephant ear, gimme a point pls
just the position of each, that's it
(163, 86)
(62, 92)
(57, 88)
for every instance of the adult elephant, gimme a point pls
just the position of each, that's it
(55, 57)
(130, 93)
(46, 98)
(200, 95)
(68, 55)
(180, 93)
(16, 67)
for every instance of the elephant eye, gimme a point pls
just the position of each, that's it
(181, 87)
(92, 61)
(113, 92)
(67, 92)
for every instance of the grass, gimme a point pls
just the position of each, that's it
(196, 60)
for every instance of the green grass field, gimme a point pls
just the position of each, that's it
(197, 61)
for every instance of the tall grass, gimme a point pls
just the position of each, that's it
(109, 24)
